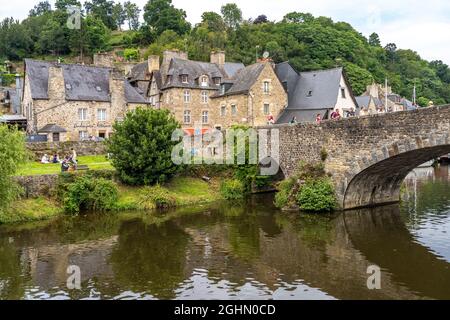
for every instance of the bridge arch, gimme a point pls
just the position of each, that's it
(380, 182)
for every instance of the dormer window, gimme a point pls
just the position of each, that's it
(184, 78)
(68, 86)
(217, 81)
(98, 88)
(204, 81)
(169, 79)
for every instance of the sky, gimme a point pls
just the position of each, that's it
(423, 26)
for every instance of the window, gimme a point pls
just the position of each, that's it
(266, 87)
(184, 78)
(187, 116)
(102, 134)
(55, 137)
(187, 96)
(82, 114)
(266, 108)
(343, 93)
(205, 117)
(83, 135)
(233, 109)
(217, 81)
(204, 81)
(169, 79)
(101, 114)
(223, 111)
(222, 89)
(204, 96)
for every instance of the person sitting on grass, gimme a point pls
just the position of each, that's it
(45, 159)
(55, 158)
(65, 165)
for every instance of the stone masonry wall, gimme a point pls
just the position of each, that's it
(368, 157)
(85, 148)
(35, 186)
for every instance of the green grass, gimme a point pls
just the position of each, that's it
(26, 210)
(36, 168)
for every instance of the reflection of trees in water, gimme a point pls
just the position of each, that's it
(150, 258)
(11, 280)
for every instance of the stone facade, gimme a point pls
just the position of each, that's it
(82, 118)
(84, 148)
(368, 157)
(36, 186)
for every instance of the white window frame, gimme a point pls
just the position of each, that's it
(266, 112)
(184, 78)
(234, 109)
(187, 96)
(101, 114)
(83, 135)
(223, 111)
(187, 115)
(205, 97)
(83, 114)
(266, 87)
(205, 117)
(204, 81)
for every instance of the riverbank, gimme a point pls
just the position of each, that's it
(182, 191)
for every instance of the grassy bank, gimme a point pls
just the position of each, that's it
(37, 168)
(183, 191)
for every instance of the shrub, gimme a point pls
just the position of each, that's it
(317, 196)
(141, 147)
(158, 197)
(12, 155)
(90, 194)
(284, 194)
(232, 189)
(131, 54)
(323, 154)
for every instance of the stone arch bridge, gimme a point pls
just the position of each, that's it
(368, 157)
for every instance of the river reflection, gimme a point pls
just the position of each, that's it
(239, 251)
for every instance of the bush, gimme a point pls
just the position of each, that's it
(90, 194)
(131, 54)
(284, 194)
(141, 147)
(317, 196)
(158, 197)
(232, 189)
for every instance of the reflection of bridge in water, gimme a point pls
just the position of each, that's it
(239, 252)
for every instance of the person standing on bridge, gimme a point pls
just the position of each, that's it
(335, 115)
(318, 118)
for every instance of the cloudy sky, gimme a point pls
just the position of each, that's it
(423, 26)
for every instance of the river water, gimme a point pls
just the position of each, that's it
(240, 251)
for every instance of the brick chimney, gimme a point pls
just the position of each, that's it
(153, 63)
(117, 92)
(218, 57)
(56, 86)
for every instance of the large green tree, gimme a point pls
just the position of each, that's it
(12, 155)
(161, 15)
(141, 147)
(104, 10)
(232, 15)
(132, 12)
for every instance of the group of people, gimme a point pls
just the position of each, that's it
(335, 115)
(69, 163)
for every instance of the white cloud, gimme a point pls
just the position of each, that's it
(415, 24)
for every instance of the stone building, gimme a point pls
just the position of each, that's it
(393, 103)
(75, 102)
(315, 92)
(215, 94)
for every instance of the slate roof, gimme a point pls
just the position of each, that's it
(81, 83)
(139, 72)
(245, 79)
(52, 128)
(363, 101)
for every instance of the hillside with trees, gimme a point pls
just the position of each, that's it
(308, 42)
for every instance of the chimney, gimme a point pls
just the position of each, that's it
(103, 60)
(18, 104)
(117, 92)
(153, 63)
(218, 57)
(56, 87)
(168, 55)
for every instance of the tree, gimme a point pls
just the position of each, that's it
(298, 17)
(374, 40)
(53, 38)
(102, 9)
(119, 15)
(261, 19)
(132, 13)
(40, 9)
(93, 37)
(232, 15)
(162, 15)
(63, 4)
(213, 21)
(12, 155)
(141, 147)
